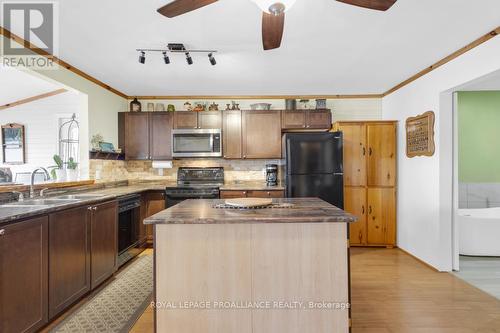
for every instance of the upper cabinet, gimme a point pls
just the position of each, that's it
(231, 134)
(145, 135)
(381, 154)
(306, 120)
(160, 135)
(261, 134)
(197, 120)
(354, 154)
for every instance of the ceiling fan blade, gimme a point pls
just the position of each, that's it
(371, 4)
(179, 7)
(272, 30)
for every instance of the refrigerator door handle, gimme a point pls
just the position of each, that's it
(338, 173)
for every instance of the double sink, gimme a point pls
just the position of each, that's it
(44, 202)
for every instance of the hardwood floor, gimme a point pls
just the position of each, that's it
(394, 293)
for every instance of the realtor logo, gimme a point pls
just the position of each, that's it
(35, 22)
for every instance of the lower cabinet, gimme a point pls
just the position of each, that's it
(103, 241)
(23, 276)
(69, 258)
(228, 194)
(381, 224)
(155, 203)
(355, 203)
(375, 208)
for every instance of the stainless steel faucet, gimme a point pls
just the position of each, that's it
(45, 178)
(20, 195)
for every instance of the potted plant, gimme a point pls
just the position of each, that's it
(58, 172)
(72, 171)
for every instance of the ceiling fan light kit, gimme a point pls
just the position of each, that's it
(274, 7)
(273, 14)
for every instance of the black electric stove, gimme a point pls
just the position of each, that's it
(195, 183)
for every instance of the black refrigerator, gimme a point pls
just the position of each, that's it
(314, 166)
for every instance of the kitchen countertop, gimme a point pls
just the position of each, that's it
(304, 210)
(10, 213)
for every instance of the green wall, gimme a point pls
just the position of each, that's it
(479, 136)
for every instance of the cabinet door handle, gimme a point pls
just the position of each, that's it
(364, 151)
(95, 208)
(363, 209)
(369, 209)
(2, 232)
(268, 194)
(244, 156)
(89, 208)
(360, 237)
(245, 193)
(370, 151)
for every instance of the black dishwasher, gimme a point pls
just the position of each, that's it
(129, 219)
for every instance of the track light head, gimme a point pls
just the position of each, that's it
(166, 58)
(189, 59)
(142, 57)
(212, 59)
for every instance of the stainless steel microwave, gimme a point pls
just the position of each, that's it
(196, 143)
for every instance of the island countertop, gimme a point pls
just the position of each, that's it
(304, 210)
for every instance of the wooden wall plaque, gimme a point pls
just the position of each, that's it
(420, 135)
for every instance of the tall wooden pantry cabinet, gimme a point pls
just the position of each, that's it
(370, 180)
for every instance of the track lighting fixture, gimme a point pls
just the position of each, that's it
(189, 59)
(212, 59)
(173, 48)
(142, 57)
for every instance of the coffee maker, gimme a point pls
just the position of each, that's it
(271, 174)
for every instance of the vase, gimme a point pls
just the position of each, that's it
(60, 175)
(71, 175)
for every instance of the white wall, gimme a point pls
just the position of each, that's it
(41, 129)
(425, 184)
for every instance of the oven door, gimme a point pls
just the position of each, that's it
(197, 143)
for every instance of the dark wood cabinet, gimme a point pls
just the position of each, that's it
(145, 135)
(23, 276)
(69, 258)
(306, 120)
(261, 134)
(103, 241)
(229, 194)
(318, 119)
(155, 203)
(160, 136)
(185, 120)
(231, 134)
(198, 120)
(133, 137)
(210, 120)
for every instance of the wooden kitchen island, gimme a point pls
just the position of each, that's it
(272, 270)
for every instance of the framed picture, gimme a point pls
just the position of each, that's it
(106, 147)
(13, 144)
(420, 135)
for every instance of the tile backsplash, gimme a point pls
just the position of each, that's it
(478, 195)
(241, 170)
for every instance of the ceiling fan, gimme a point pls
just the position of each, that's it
(273, 14)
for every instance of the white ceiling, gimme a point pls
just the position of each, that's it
(17, 85)
(328, 47)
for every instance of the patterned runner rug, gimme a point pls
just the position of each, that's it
(118, 306)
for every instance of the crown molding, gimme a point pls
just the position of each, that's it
(445, 60)
(239, 97)
(32, 99)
